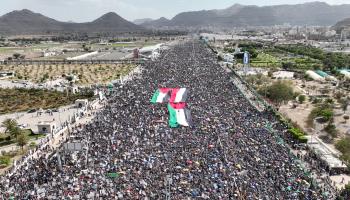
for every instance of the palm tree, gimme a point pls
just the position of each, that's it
(9, 125)
(16, 132)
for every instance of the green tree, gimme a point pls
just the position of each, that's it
(288, 65)
(301, 99)
(331, 130)
(5, 160)
(69, 78)
(323, 110)
(22, 140)
(280, 92)
(343, 145)
(9, 125)
(16, 55)
(16, 132)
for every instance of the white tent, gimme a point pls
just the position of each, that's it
(314, 76)
(346, 73)
(84, 56)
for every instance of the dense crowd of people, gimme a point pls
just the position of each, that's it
(131, 153)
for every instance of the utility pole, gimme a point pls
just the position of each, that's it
(168, 182)
(87, 152)
(59, 160)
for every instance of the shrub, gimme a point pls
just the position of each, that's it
(331, 130)
(301, 99)
(298, 135)
(302, 139)
(32, 144)
(5, 160)
(8, 138)
(323, 111)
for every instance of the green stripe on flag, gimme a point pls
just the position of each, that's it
(172, 117)
(155, 97)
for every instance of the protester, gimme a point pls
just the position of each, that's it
(228, 153)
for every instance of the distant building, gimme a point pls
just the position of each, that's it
(73, 89)
(47, 127)
(48, 53)
(229, 58)
(283, 75)
(7, 75)
(330, 33)
(81, 103)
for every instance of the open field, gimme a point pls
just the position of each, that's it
(34, 50)
(88, 74)
(20, 99)
(123, 45)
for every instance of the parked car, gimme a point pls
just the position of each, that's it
(23, 126)
(32, 111)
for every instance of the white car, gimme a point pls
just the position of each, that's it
(22, 126)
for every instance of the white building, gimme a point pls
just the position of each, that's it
(81, 103)
(48, 127)
(229, 57)
(283, 75)
(73, 89)
(48, 53)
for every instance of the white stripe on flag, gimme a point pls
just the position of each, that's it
(161, 97)
(179, 95)
(181, 117)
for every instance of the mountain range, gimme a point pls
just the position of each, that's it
(343, 24)
(314, 13)
(28, 22)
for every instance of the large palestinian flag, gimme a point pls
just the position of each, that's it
(179, 115)
(162, 95)
(178, 95)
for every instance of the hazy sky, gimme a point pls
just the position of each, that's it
(87, 10)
